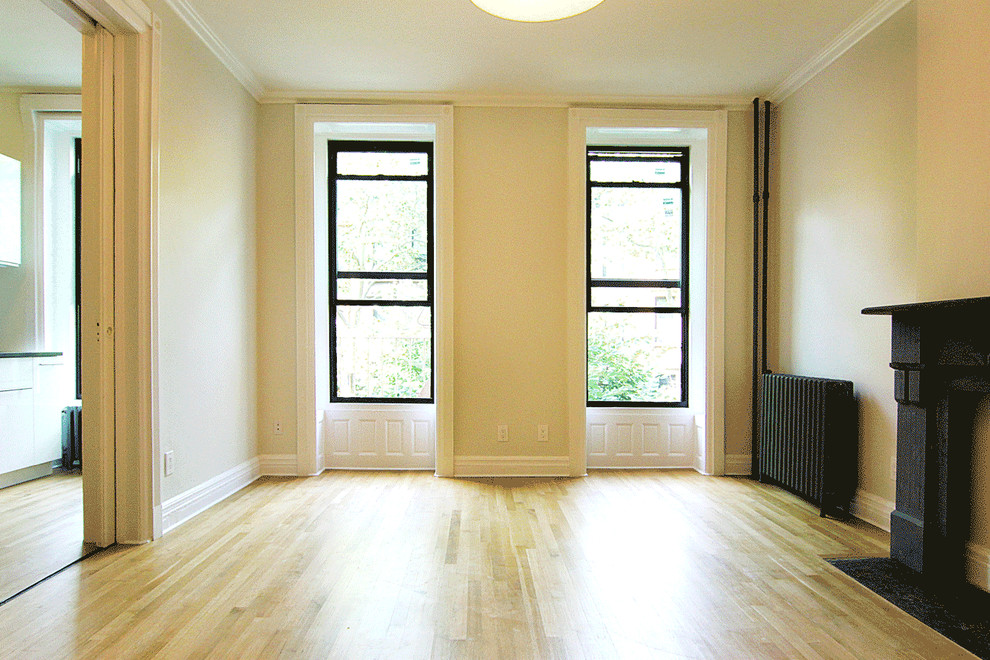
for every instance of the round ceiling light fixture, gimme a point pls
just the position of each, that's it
(535, 11)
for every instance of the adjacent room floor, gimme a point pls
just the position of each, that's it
(41, 529)
(405, 565)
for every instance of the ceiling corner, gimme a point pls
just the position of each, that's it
(866, 23)
(242, 73)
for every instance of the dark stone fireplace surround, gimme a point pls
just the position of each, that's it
(940, 353)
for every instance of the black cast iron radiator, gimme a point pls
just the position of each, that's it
(808, 439)
(72, 437)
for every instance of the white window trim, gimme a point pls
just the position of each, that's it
(309, 299)
(712, 418)
(36, 111)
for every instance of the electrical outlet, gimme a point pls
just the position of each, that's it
(277, 428)
(893, 468)
(543, 434)
(503, 433)
(169, 463)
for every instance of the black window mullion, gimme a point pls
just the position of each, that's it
(379, 399)
(631, 284)
(603, 309)
(375, 302)
(382, 275)
(637, 184)
(383, 146)
(639, 154)
(429, 269)
(332, 250)
(587, 256)
(383, 177)
(685, 268)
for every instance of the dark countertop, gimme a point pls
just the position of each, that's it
(31, 354)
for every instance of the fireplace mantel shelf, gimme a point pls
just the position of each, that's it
(935, 306)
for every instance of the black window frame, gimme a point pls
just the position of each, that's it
(335, 147)
(651, 154)
(77, 258)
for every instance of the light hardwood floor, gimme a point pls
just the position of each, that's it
(41, 530)
(405, 565)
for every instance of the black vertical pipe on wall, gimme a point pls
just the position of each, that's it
(756, 290)
(761, 230)
(767, 113)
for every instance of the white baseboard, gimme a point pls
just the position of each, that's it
(512, 466)
(25, 474)
(978, 565)
(700, 438)
(331, 468)
(738, 465)
(872, 509)
(278, 465)
(156, 522)
(182, 507)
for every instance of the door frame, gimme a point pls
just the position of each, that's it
(119, 278)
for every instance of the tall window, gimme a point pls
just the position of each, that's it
(637, 276)
(381, 271)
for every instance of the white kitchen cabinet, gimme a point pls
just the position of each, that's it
(16, 429)
(34, 388)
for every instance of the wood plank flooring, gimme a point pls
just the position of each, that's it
(41, 530)
(405, 565)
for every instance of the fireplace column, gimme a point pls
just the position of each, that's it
(940, 353)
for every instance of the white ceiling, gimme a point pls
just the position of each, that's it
(622, 48)
(632, 48)
(38, 49)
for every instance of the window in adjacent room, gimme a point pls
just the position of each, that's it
(637, 297)
(10, 211)
(381, 271)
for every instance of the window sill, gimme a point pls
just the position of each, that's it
(350, 406)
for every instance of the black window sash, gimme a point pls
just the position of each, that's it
(384, 275)
(425, 148)
(643, 154)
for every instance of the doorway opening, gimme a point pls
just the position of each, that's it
(41, 491)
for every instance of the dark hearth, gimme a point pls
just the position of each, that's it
(962, 615)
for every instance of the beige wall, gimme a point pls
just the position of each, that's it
(845, 235)
(17, 299)
(510, 210)
(11, 129)
(954, 176)
(953, 148)
(739, 284)
(276, 279)
(207, 269)
(510, 195)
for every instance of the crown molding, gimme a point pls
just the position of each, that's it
(507, 100)
(849, 38)
(199, 27)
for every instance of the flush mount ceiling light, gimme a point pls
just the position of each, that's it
(534, 11)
